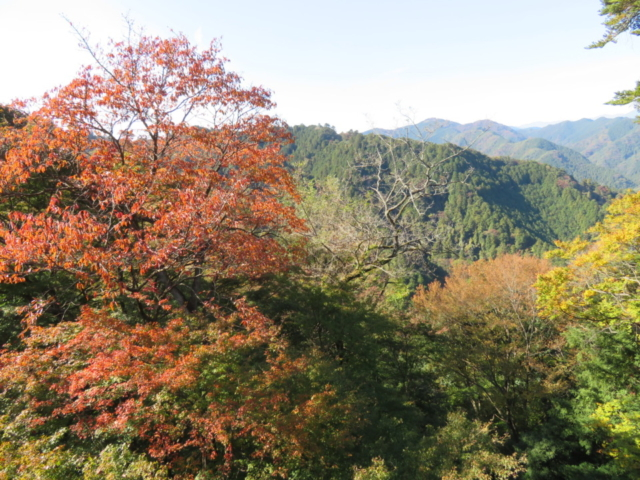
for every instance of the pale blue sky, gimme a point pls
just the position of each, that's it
(356, 64)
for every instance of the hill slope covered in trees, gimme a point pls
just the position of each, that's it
(502, 206)
(605, 151)
(608, 142)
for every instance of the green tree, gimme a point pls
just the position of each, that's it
(621, 16)
(598, 293)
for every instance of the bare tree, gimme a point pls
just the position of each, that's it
(379, 216)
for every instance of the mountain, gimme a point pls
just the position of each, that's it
(545, 145)
(629, 114)
(608, 142)
(440, 131)
(505, 205)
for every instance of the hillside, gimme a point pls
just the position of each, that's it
(504, 206)
(608, 142)
(551, 146)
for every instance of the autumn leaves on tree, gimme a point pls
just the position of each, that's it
(160, 316)
(129, 200)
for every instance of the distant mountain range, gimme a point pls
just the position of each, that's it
(629, 114)
(606, 150)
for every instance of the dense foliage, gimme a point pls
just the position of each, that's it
(122, 226)
(596, 293)
(174, 306)
(503, 206)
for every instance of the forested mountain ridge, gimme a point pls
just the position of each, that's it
(584, 149)
(608, 142)
(503, 206)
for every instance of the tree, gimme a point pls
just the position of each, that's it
(596, 293)
(621, 16)
(466, 450)
(600, 282)
(371, 216)
(492, 348)
(133, 203)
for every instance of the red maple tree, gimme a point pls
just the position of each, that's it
(131, 199)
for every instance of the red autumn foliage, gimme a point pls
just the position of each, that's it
(136, 191)
(135, 187)
(190, 389)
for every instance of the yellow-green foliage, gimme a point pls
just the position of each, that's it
(47, 458)
(376, 471)
(598, 291)
(117, 462)
(600, 282)
(36, 460)
(467, 450)
(622, 423)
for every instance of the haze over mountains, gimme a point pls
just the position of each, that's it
(606, 150)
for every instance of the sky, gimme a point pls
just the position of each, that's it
(356, 64)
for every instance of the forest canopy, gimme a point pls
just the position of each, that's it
(191, 289)
(123, 223)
